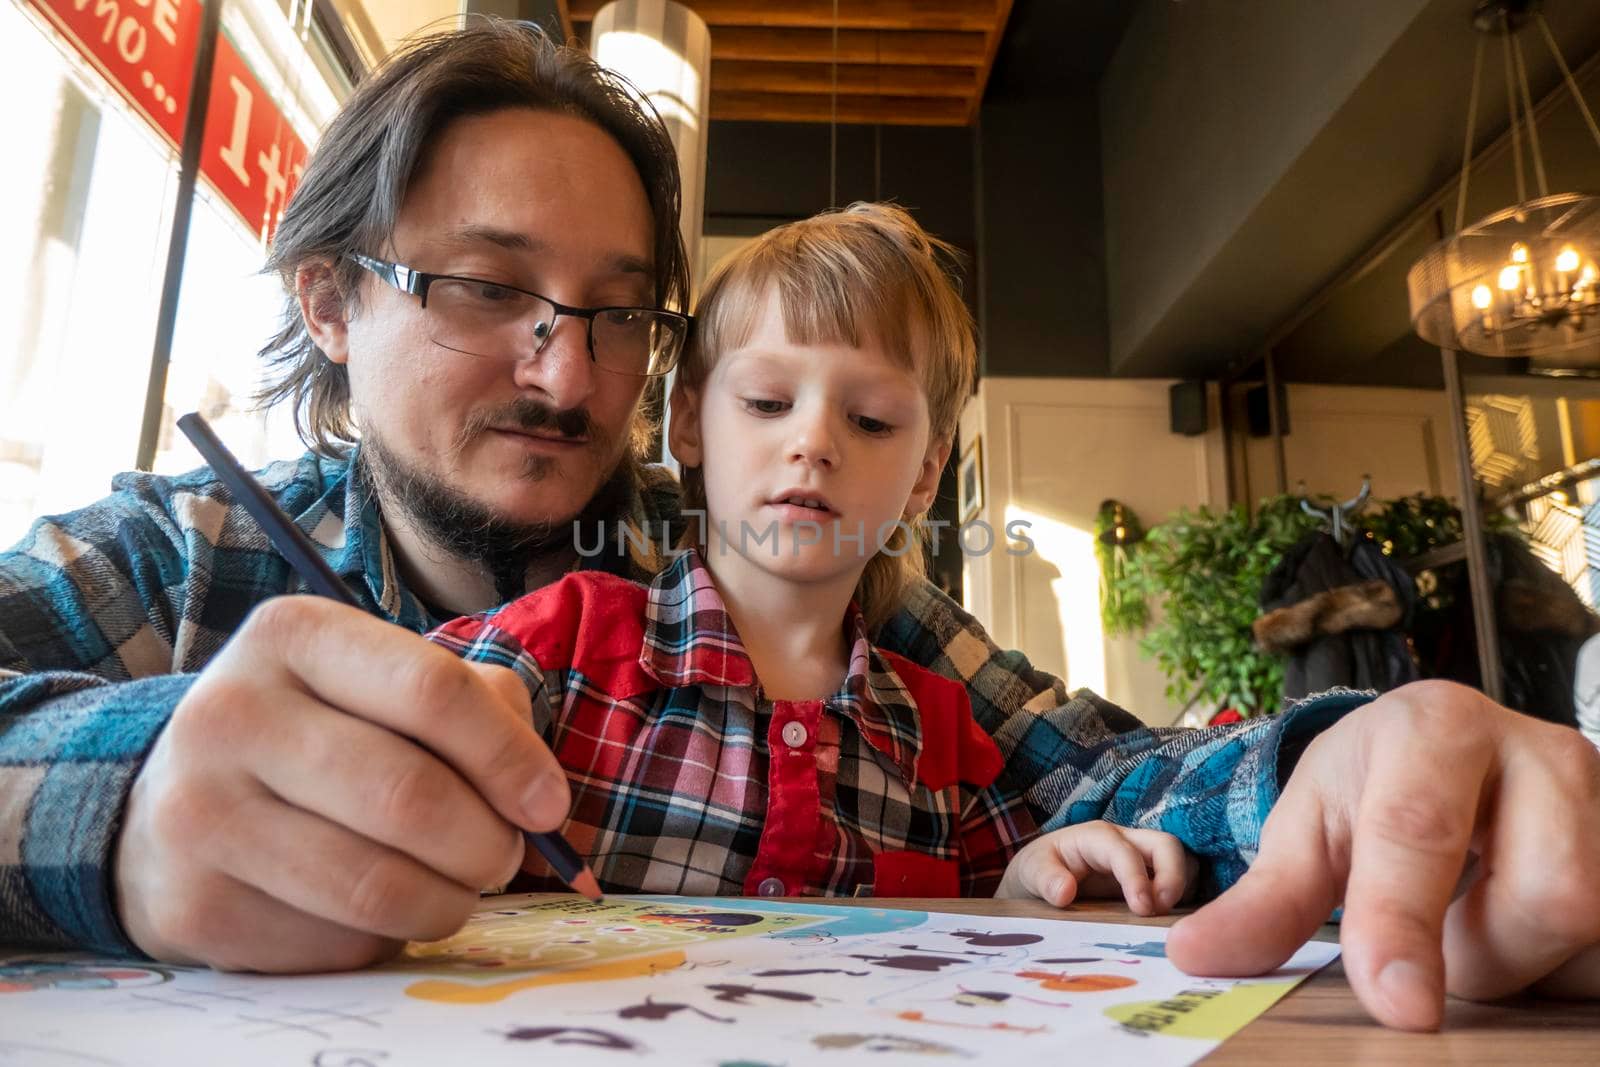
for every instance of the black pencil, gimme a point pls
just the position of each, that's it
(297, 548)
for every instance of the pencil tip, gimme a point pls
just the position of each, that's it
(585, 884)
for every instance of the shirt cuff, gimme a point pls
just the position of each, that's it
(78, 745)
(1261, 775)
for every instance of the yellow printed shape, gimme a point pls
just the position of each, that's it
(541, 933)
(444, 991)
(1211, 1014)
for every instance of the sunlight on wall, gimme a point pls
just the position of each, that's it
(1070, 551)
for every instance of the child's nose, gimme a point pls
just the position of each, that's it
(815, 442)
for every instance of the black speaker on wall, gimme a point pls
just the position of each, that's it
(1257, 415)
(1188, 408)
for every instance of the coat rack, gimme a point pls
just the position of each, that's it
(1337, 515)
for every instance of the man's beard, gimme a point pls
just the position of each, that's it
(470, 530)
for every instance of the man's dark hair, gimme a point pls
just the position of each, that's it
(350, 194)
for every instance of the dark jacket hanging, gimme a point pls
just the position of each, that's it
(1341, 617)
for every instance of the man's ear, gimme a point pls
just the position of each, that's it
(926, 487)
(683, 426)
(322, 309)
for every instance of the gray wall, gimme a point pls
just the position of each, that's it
(1204, 109)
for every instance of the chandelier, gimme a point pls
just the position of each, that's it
(1523, 281)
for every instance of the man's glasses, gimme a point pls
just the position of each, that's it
(482, 318)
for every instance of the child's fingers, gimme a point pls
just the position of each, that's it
(1107, 848)
(1175, 867)
(1038, 871)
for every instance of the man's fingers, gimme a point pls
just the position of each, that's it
(387, 789)
(1532, 906)
(471, 716)
(325, 871)
(1413, 828)
(1289, 891)
(237, 927)
(1577, 979)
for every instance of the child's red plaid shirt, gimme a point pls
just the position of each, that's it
(687, 779)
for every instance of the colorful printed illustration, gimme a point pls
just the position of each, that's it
(1153, 949)
(1077, 983)
(736, 983)
(885, 1043)
(31, 974)
(549, 933)
(972, 937)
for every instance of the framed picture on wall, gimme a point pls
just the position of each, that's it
(969, 480)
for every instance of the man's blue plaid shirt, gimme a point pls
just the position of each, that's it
(107, 614)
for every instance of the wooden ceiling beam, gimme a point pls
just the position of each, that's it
(992, 45)
(974, 15)
(889, 110)
(855, 46)
(817, 78)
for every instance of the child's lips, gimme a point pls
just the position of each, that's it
(790, 512)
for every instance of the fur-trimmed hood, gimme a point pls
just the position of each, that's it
(1370, 605)
(1545, 606)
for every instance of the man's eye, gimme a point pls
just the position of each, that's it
(767, 407)
(871, 425)
(491, 293)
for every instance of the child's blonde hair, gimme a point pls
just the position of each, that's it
(864, 273)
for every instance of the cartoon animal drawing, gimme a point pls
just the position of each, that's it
(722, 922)
(973, 937)
(986, 998)
(656, 1012)
(811, 970)
(1153, 949)
(575, 1035)
(736, 994)
(919, 1017)
(1076, 983)
(884, 1043)
(925, 964)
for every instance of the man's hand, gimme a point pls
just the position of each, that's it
(330, 787)
(1150, 869)
(1381, 814)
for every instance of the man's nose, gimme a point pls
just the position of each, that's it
(558, 363)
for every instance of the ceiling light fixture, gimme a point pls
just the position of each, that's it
(1522, 281)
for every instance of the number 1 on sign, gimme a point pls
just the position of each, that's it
(233, 151)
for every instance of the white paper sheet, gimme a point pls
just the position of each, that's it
(554, 979)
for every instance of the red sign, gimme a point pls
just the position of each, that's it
(145, 49)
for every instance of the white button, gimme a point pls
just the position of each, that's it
(794, 734)
(771, 887)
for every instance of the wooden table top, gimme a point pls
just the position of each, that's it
(1321, 1022)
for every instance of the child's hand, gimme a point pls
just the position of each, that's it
(1093, 859)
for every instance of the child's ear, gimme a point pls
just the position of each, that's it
(683, 425)
(322, 309)
(926, 487)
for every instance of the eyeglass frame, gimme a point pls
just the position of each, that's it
(416, 282)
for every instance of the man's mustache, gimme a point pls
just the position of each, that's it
(530, 416)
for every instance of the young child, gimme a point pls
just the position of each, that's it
(731, 729)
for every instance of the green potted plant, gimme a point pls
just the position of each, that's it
(1204, 569)
(1193, 588)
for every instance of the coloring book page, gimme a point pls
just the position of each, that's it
(555, 979)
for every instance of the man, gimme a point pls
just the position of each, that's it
(198, 768)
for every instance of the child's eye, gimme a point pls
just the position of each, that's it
(876, 427)
(766, 407)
